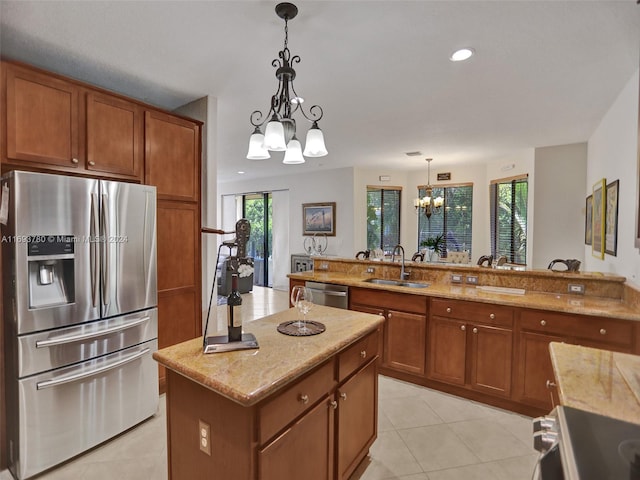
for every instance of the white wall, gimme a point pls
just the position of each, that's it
(328, 186)
(560, 176)
(613, 154)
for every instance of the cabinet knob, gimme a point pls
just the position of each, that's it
(74, 161)
(389, 315)
(550, 384)
(92, 163)
(304, 398)
(333, 404)
(343, 395)
(363, 354)
(603, 331)
(543, 322)
(448, 309)
(463, 327)
(492, 316)
(475, 330)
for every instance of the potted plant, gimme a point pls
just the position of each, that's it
(434, 245)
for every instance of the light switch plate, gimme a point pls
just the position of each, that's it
(576, 288)
(456, 278)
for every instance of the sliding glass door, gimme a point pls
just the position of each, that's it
(258, 209)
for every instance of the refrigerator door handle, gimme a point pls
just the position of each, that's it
(93, 247)
(105, 249)
(79, 376)
(84, 336)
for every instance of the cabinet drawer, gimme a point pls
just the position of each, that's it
(278, 412)
(357, 355)
(473, 311)
(604, 330)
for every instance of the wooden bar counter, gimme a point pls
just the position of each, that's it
(297, 407)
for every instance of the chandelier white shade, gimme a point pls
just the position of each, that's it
(280, 131)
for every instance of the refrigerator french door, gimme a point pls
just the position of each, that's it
(80, 291)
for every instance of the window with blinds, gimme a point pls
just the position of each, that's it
(453, 221)
(383, 217)
(509, 198)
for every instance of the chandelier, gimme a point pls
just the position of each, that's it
(428, 203)
(280, 132)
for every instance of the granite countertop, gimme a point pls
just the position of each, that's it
(248, 376)
(577, 304)
(599, 381)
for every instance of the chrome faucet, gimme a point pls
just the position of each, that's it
(403, 275)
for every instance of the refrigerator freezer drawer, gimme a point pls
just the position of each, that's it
(67, 411)
(39, 352)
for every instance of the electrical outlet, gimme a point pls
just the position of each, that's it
(204, 432)
(576, 288)
(456, 278)
(323, 266)
(371, 270)
(472, 279)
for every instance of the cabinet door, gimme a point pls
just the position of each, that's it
(447, 350)
(535, 369)
(491, 361)
(114, 136)
(381, 336)
(405, 342)
(357, 419)
(41, 118)
(172, 156)
(305, 450)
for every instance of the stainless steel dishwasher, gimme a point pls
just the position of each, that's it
(329, 294)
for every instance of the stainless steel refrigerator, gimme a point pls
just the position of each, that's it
(80, 319)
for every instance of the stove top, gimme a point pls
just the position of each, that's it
(595, 447)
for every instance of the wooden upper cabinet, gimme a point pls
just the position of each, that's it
(172, 153)
(41, 118)
(114, 135)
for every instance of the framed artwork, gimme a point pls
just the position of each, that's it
(598, 218)
(588, 232)
(319, 218)
(611, 219)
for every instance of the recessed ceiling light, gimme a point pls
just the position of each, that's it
(462, 54)
(240, 172)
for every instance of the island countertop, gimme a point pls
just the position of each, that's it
(248, 376)
(598, 381)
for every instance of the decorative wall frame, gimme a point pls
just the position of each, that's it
(319, 218)
(611, 218)
(588, 225)
(598, 219)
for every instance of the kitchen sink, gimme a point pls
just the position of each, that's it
(396, 283)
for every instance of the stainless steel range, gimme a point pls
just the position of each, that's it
(80, 299)
(580, 445)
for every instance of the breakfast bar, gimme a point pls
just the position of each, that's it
(296, 407)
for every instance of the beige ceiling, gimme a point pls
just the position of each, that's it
(545, 72)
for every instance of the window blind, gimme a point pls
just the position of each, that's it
(383, 217)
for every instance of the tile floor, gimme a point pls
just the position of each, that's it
(423, 434)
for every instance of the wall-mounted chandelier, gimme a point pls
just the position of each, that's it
(280, 132)
(428, 202)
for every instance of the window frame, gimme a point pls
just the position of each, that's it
(383, 188)
(493, 220)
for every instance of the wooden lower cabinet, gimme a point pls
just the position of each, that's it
(471, 345)
(304, 450)
(535, 372)
(404, 342)
(357, 412)
(447, 350)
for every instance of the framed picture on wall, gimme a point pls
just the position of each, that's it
(597, 219)
(611, 219)
(588, 232)
(319, 218)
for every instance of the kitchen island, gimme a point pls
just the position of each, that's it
(598, 381)
(297, 407)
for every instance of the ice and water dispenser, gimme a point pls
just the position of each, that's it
(51, 270)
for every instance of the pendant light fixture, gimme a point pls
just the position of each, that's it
(428, 203)
(280, 131)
